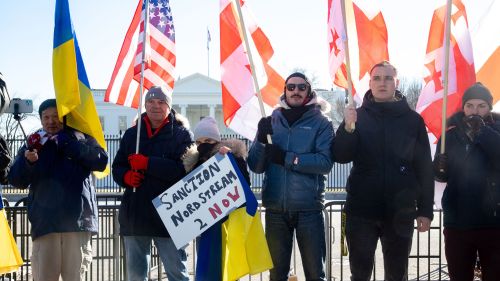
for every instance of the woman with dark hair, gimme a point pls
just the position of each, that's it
(470, 167)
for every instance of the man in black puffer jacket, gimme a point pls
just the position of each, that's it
(164, 138)
(391, 181)
(470, 167)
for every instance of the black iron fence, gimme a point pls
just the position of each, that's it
(336, 179)
(426, 259)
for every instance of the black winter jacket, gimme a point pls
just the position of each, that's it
(164, 149)
(391, 177)
(472, 195)
(61, 195)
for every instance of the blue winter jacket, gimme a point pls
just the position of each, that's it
(61, 196)
(300, 186)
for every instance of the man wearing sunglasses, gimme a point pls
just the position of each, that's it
(295, 164)
(391, 181)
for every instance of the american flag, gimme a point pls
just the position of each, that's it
(124, 87)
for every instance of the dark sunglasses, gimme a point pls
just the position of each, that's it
(291, 87)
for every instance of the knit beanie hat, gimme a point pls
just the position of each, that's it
(207, 127)
(46, 104)
(478, 91)
(298, 74)
(161, 93)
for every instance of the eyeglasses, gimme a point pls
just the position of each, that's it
(291, 87)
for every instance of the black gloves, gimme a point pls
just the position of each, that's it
(276, 154)
(440, 167)
(264, 128)
(473, 125)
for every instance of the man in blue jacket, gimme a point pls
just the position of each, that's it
(295, 165)
(164, 138)
(62, 207)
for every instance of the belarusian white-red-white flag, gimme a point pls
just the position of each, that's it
(368, 40)
(487, 51)
(461, 73)
(124, 88)
(239, 100)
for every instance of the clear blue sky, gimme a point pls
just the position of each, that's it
(297, 33)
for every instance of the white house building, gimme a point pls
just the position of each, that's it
(194, 96)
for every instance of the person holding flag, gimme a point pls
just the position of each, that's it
(164, 138)
(470, 165)
(56, 166)
(390, 184)
(295, 165)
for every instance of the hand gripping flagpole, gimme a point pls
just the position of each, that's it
(447, 26)
(141, 89)
(345, 40)
(250, 59)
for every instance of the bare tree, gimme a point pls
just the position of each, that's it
(9, 127)
(411, 88)
(312, 76)
(337, 103)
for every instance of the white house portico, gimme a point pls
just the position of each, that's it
(194, 96)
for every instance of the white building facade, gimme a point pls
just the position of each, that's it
(194, 96)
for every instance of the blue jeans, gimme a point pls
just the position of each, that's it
(310, 231)
(138, 255)
(362, 236)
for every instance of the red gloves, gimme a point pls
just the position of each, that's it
(133, 179)
(138, 162)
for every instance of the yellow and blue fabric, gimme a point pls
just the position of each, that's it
(235, 246)
(71, 85)
(10, 259)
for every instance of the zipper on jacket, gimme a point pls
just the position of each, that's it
(285, 198)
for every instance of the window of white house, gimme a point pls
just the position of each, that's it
(101, 119)
(122, 123)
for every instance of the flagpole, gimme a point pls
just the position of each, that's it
(250, 59)
(346, 50)
(208, 53)
(446, 71)
(141, 91)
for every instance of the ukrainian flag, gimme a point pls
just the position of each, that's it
(71, 85)
(10, 259)
(233, 248)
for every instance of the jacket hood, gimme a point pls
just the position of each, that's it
(325, 107)
(395, 108)
(191, 156)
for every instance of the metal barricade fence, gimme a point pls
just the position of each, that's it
(336, 179)
(425, 263)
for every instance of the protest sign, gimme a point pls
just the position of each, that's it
(203, 197)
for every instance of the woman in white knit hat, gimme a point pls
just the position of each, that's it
(209, 142)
